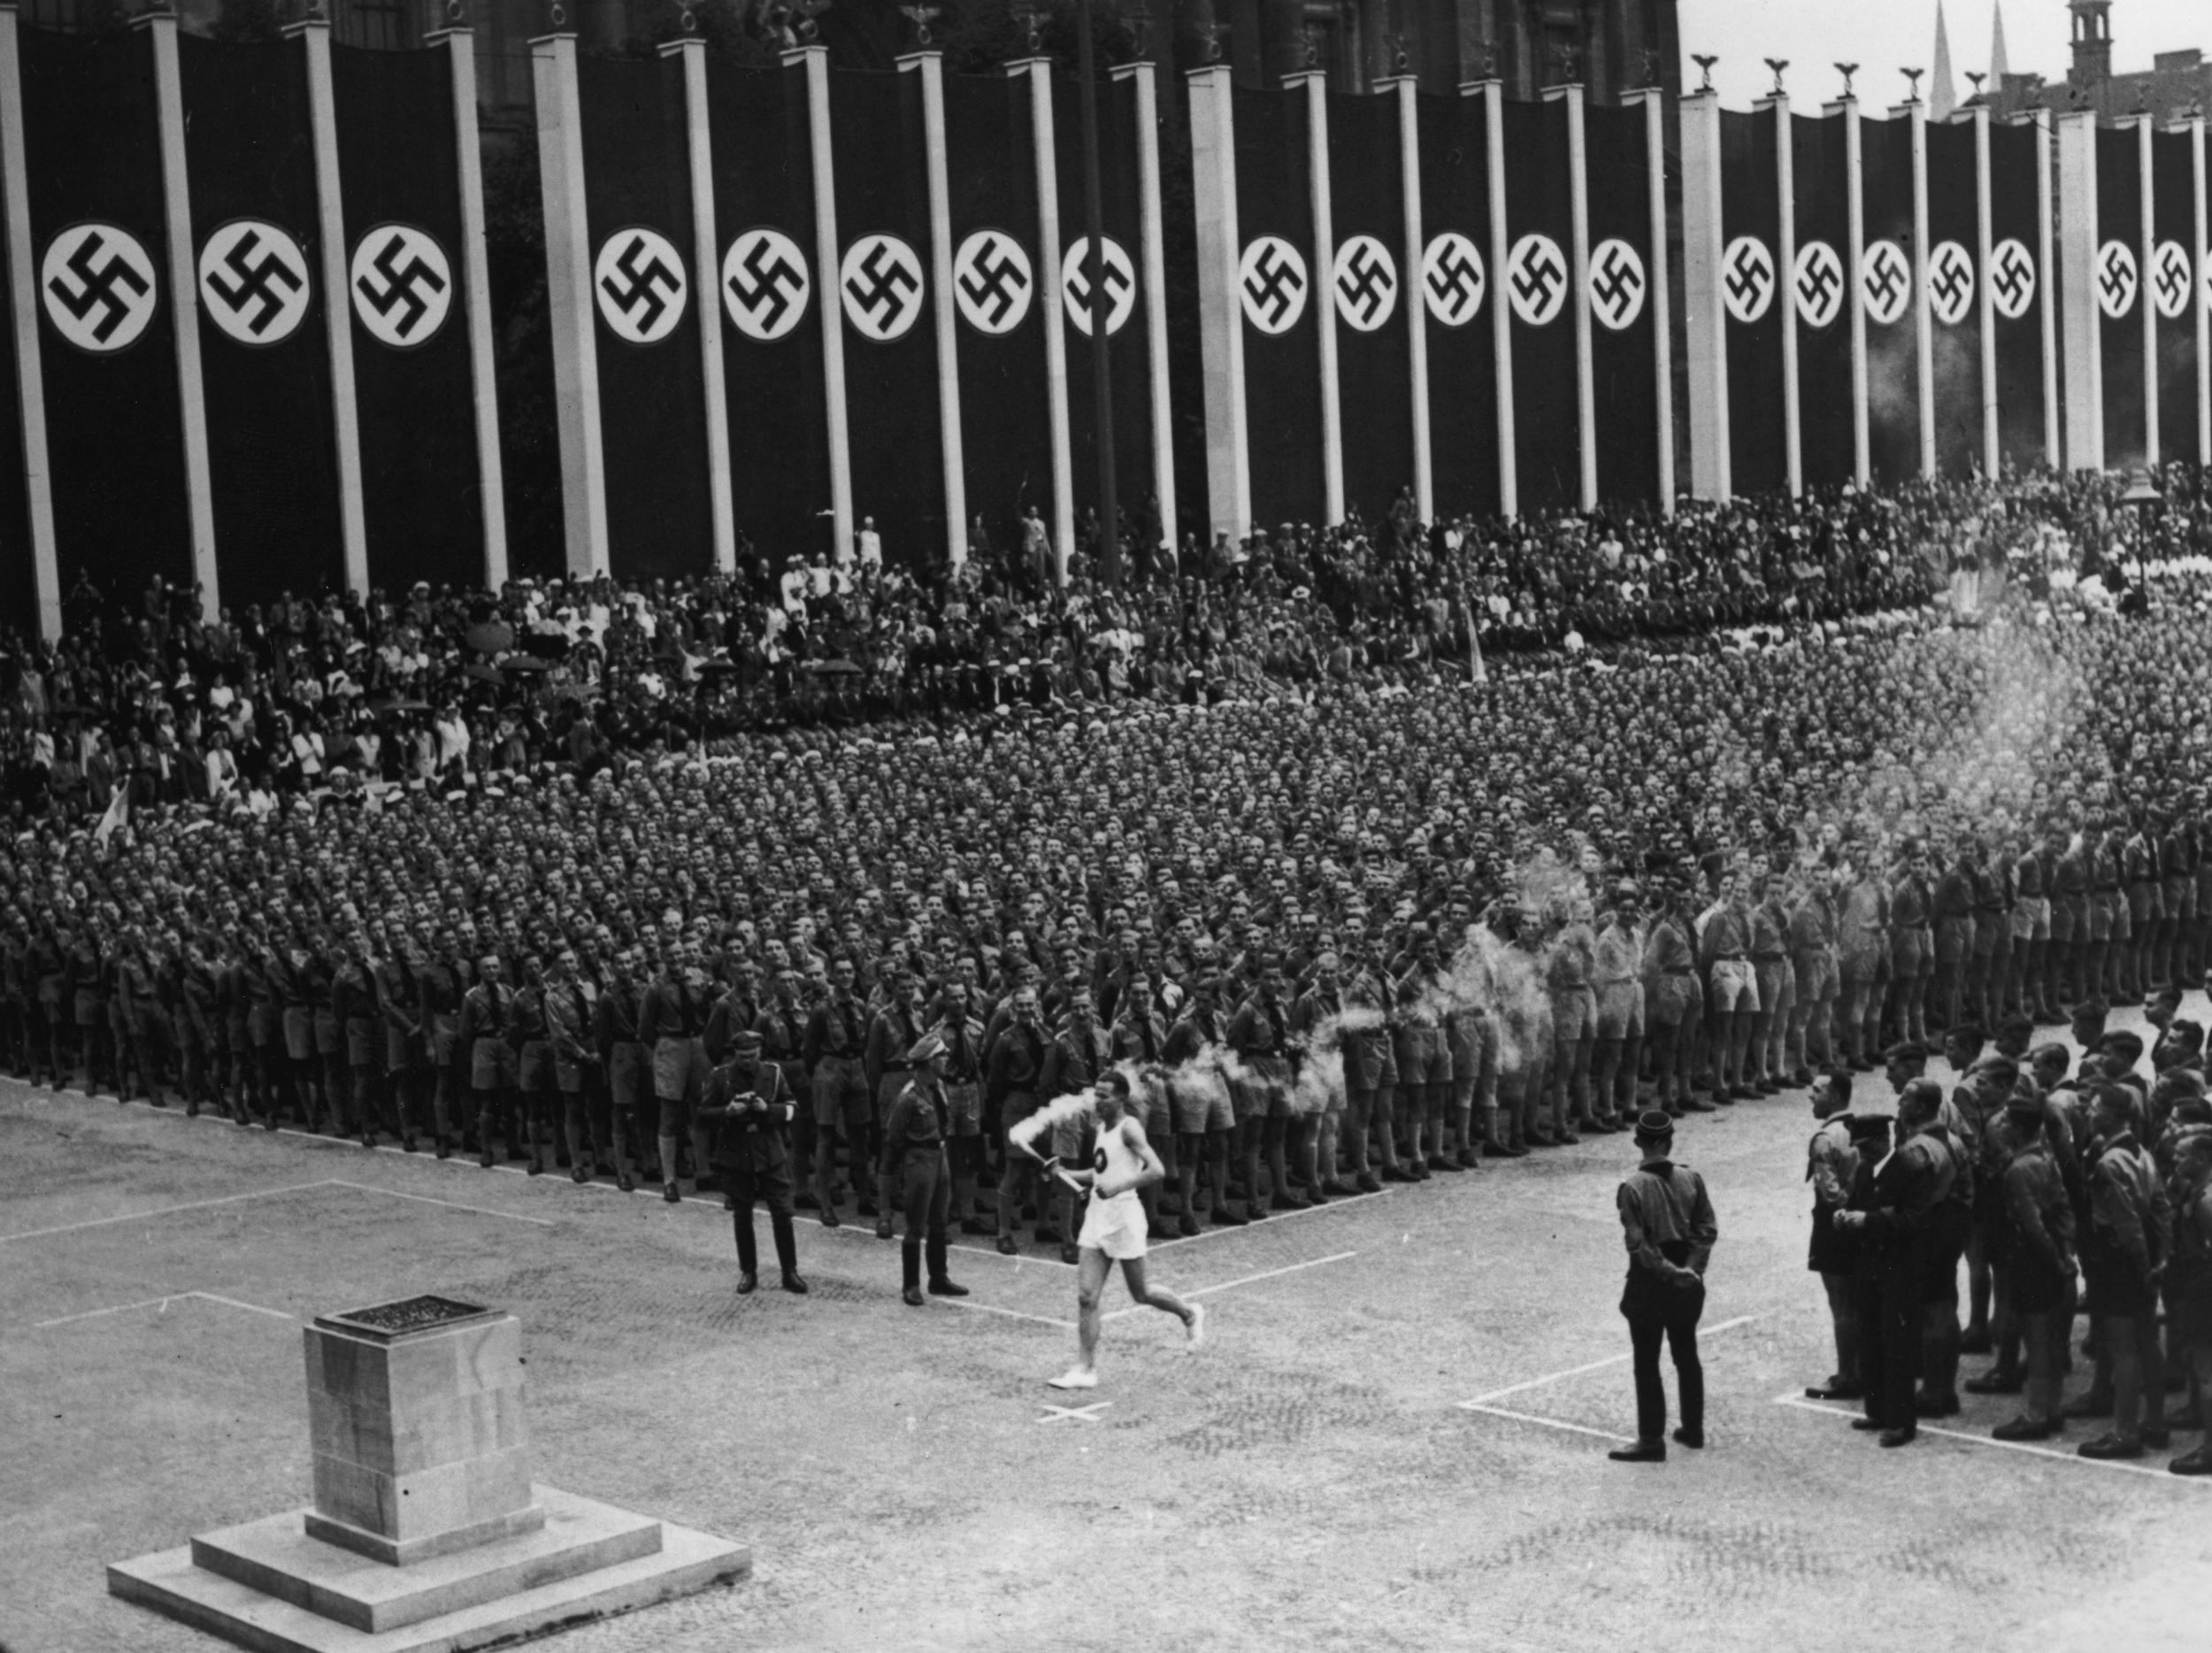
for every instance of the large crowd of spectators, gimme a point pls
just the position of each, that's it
(1369, 854)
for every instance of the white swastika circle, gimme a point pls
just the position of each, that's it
(98, 287)
(2171, 282)
(1746, 279)
(765, 284)
(401, 284)
(881, 279)
(1885, 281)
(1536, 279)
(1452, 278)
(1366, 283)
(1950, 283)
(1120, 280)
(1272, 279)
(640, 285)
(1617, 284)
(253, 281)
(2011, 277)
(2116, 279)
(991, 282)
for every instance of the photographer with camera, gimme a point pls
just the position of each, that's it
(749, 1108)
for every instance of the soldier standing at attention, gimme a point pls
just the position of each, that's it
(752, 1106)
(1667, 1223)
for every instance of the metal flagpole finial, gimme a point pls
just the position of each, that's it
(920, 16)
(1139, 30)
(1846, 69)
(1312, 30)
(809, 10)
(1776, 66)
(1489, 58)
(688, 21)
(456, 13)
(1210, 32)
(558, 15)
(1651, 66)
(1400, 62)
(1975, 79)
(1912, 79)
(1705, 62)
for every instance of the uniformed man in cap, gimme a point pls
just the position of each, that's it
(1831, 1165)
(1667, 1224)
(748, 1108)
(916, 1173)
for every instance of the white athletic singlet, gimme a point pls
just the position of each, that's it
(1115, 1224)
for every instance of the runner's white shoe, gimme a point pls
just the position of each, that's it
(1075, 1377)
(1194, 1329)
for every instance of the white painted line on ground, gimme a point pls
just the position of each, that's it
(1480, 1403)
(161, 1210)
(425, 1199)
(2029, 1446)
(1230, 1285)
(1073, 1414)
(1550, 1423)
(97, 1314)
(174, 1296)
(1011, 1314)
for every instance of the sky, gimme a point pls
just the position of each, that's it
(1882, 36)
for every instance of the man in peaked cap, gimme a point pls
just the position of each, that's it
(1668, 1225)
(749, 1106)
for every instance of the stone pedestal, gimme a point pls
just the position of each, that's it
(426, 1531)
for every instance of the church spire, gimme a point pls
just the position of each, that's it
(1998, 67)
(1942, 99)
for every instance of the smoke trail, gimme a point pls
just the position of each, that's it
(1071, 1109)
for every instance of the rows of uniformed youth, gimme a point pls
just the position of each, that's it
(2043, 1178)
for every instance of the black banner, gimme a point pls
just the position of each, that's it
(115, 433)
(264, 350)
(1129, 364)
(2016, 295)
(1954, 322)
(1621, 310)
(1535, 286)
(2172, 286)
(772, 297)
(998, 277)
(2119, 289)
(1281, 299)
(890, 331)
(1454, 290)
(652, 399)
(399, 172)
(1373, 300)
(1755, 294)
(1885, 270)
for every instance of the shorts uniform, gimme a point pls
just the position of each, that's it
(1115, 1224)
(1733, 985)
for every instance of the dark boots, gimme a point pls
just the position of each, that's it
(910, 1257)
(940, 1284)
(787, 1254)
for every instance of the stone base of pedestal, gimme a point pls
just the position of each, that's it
(270, 1586)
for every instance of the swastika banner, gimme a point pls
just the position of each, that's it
(1758, 295)
(998, 280)
(1375, 305)
(1455, 293)
(1536, 287)
(265, 347)
(1885, 285)
(884, 289)
(2172, 283)
(1281, 294)
(399, 174)
(115, 449)
(771, 296)
(2118, 278)
(2015, 293)
(1955, 323)
(1118, 273)
(652, 395)
(1624, 376)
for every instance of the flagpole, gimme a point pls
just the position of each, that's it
(1102, 358)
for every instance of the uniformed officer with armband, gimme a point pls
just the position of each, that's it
(749, 1107)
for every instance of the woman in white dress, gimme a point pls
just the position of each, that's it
(1114, 1227)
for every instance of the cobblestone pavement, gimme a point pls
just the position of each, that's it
(1311, 1480)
